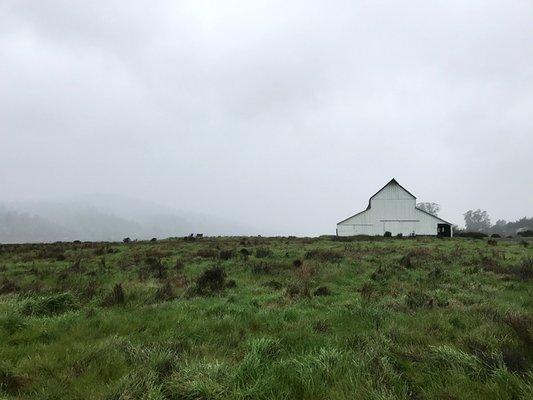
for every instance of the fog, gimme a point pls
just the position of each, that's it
(277, 117)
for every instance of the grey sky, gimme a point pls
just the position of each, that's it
(285, 115)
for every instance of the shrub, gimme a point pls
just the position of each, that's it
(231, 284)
(269, 267)
(10, 382)
(273, 285)
(472, 235)
(211, 280)
(525, 269)
(527, 233)
(207, 252)
(179, 265)
(52, 251)
(322, 291)
(522, 324)
(387, 234)
(324, 255)
(300, 289)
(165, 292)
(126, 240)
(226, 254)
(153, 240)
(399, 235)
(416, 299)
(116, 296)
(495, 235)
(8, 286)
(492, 242)
(297, 263)
(263, 252)
(50, 305)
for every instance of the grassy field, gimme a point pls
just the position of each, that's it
(267, 318)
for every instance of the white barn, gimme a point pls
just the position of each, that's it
(393, 209)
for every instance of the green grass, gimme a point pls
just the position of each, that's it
(395, 319)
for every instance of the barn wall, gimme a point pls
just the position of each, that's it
(392, 209)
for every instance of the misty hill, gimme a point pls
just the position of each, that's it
(104, 218)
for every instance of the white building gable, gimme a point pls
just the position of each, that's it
(393, 209)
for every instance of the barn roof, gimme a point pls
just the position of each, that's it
(374, 195)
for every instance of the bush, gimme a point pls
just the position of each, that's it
(116, 296)
(387, 234)
(322, 291)
(297, 263)
(495, 235)
(399, 235)
(153, 240)
(50, 305)
(525, 269)
(263, 252)
(472, 235)
(212, 280)
(165, 292)
(126, 240)
(179, 265)
(324, 255)
(226, 254)
(528, 233)
(492, 242)
(207, 252)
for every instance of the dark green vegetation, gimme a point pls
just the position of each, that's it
(259, 318)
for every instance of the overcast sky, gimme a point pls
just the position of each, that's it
(285, 115)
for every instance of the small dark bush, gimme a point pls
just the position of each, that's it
(155, 266)
(322, 291)
(472, 235)
(269, 267)
(153, 240)
(226, 254)
(8, 286)
(50, 305)
(297, 263)
(387, 234)
(165, 292)
(52, 251)
(116, 296)
(207, 252)
(179, 265)
(231, 284)
(321, 327)
(245, 252)
(525, 269)
(492, 242)
(126, 240)
(263, 252)
(528, 233)
(417, 298)
(324, 255)
(522, 324)
(300, 289)
(212, 280)
(273, 285)
(399, 235)
(495, 235)
(10, 382)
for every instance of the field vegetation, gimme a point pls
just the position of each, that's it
(268, 318)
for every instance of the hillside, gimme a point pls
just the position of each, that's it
(104, 218)
(268, 318)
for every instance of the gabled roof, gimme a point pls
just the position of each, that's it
(434, 216)
(374, 195)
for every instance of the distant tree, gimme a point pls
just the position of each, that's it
(477, 221)
(432, 208)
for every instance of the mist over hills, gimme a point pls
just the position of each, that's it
(104, 218)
